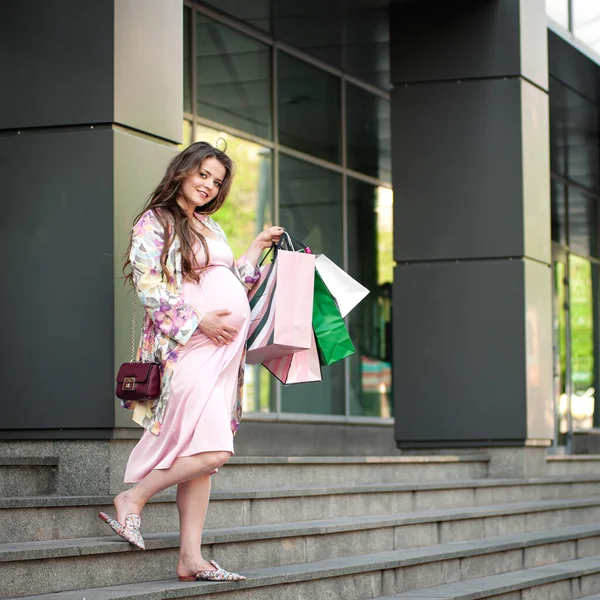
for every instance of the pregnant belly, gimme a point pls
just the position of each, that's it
(219, 289)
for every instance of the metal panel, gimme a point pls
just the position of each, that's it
(454, 40)
(149, 66)
(569, 65)
(538, 315)
(535, 125)
(56, 60)
(457, 170)
(57, 296)
(459, 352)
(534, 41)
(139, 165)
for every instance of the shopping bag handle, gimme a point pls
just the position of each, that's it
(286, 242)
(292, 244)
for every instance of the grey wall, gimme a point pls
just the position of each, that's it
(472, 287)
(56, 61)
(56, 236)
(92, 116)
(138, 165)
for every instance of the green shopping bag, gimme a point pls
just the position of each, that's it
(333, 340)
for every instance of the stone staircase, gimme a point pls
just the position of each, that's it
(352, 528)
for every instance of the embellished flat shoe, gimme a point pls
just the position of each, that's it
(130, 531)
(218, 575)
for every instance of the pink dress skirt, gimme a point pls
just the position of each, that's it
(205, 377)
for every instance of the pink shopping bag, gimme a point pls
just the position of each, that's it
(300, 367)
(281, 305)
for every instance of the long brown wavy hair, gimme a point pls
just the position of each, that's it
(174, 220)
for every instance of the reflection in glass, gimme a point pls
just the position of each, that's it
(187, 135)
(582, 222)
(245, 214)
(368, 131)
(187, 85)
(558, 10)
(559, 212)
(560, 353)
(233, 78)
(309, 108)
(370, 246)
(586, 22)
(574, 133)
(583, 351)
(311, 210)
(310, 199)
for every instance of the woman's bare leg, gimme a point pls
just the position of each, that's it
(183, 469)
(192, 504)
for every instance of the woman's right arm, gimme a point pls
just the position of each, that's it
(174, 317)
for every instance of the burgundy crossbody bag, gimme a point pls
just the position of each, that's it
(138, 380)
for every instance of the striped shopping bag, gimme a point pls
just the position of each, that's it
(300, 367)
(281, 307)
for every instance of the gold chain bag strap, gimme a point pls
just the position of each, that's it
(138, 380)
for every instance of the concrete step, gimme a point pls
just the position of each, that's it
(562, 581)
(68, 561)
(581, 464)
(269, 472)
(66, 517)
(27, 476)
(514, 558)
(395, 531)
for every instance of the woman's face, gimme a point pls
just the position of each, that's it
(200, 188)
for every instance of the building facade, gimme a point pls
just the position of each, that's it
(481, 324)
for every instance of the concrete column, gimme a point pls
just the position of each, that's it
(91, 111)
(472, 286)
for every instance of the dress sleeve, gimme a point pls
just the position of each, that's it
(174, 317)
(247, 272)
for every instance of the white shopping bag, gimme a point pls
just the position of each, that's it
(346, 291)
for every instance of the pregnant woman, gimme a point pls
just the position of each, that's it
(195, 297)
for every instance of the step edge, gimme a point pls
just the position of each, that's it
(322, 569)
(29, 461)
(419, 555)
(537, 576)
(358, 460)
(408, 518)
(49, 500)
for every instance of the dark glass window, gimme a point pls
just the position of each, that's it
(248, 210)
(233, 78)
(254, 12)
(559, 212)
(187, 85)
(582, 222)
(370, 258)
(582, 298)
(309, 108)
(368, 131)
(310, 199)
(311, 210)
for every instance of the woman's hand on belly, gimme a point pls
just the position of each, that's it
(214, 327)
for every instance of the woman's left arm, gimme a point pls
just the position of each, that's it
(246, 264)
